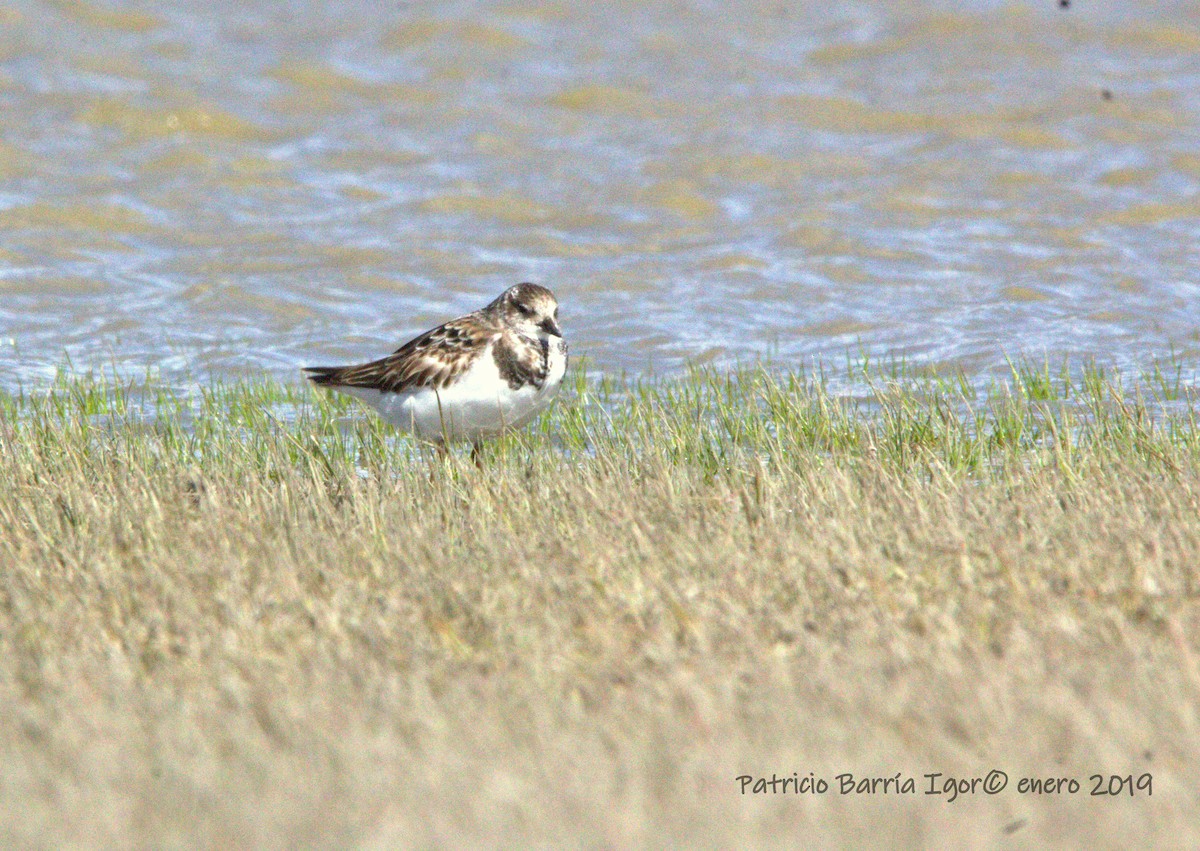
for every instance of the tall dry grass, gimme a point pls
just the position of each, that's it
(250, 616)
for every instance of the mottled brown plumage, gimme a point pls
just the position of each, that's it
(525, 365)
(434, 359)
(439, 357)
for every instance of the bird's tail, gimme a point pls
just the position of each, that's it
(325, 376)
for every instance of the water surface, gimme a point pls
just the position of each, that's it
(216, 189)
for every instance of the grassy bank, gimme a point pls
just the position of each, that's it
(251, 615)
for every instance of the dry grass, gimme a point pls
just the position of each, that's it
(253, 619)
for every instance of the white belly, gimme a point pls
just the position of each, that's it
(479, 405)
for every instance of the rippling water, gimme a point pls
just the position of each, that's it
(217, 189)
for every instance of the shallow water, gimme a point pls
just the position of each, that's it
(219, 189)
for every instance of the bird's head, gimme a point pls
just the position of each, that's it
(531, 309)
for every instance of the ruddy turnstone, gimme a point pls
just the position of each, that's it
(473, 378)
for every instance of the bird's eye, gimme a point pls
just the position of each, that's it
(524, 310)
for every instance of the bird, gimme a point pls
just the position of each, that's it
(470, 379)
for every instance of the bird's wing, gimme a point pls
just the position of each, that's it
(434, 359)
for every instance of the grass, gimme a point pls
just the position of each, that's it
(250, 615)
